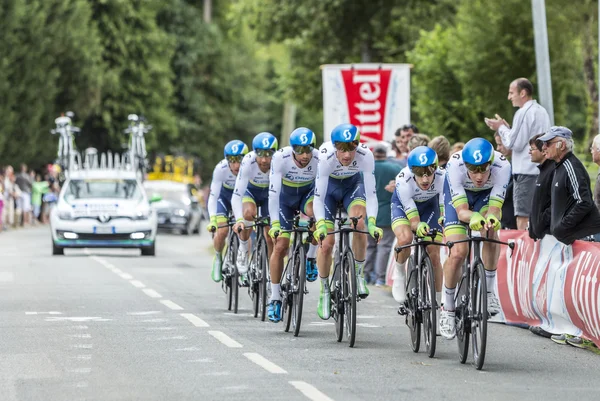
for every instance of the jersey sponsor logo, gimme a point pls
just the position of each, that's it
(286, 156)
(265, 142)
(502, 158)
(324, 150)
(304, 138)
(360, 152)
(456, 156)
(477, 156)
(347, 135)
(423, 159)
(330, 156)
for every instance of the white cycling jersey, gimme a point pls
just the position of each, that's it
(410, 194)
(285, 171)
(459, 180)
(222, 178)
(329, 166)
(249, 174)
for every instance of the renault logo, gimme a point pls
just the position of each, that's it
(104, 218)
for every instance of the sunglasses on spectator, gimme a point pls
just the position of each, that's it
(299, 149)
(235, 159)
(423, 171)
(265, 152)
(346, 146)
(482, 168)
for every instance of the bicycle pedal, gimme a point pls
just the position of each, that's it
(402, 310)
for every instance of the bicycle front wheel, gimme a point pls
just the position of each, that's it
(349, 285)
(413, 320)
(263, 282)
(480, 315)
(463, 323)
(428, 310)
(297, 286)
(287, 298)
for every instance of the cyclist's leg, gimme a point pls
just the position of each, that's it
(355, 203)
(249, 213)
(429, 212)
(306, 207)
(325, 252)
(490, 253)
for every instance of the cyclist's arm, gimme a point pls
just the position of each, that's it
(321, 182)
(275, 186)
(241, 184)
(215, 191)
(404, 192)
(369, 181)
(500, 177)
(456, 176)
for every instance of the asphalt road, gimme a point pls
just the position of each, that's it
(111, 325)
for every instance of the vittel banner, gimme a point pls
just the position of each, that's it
(374, 97)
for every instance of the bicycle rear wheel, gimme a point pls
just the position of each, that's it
(230, 260)
(463, 323)
(350, 296)
(253, 283)
(480, 315)
(413, 320)
(298, 284)
(286, 299)
(428, 311)
(262, 284)
(337, 299)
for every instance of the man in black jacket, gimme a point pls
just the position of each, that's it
(539, 220)
(573, 212)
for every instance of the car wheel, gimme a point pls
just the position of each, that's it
(189, 230)
(57, 250)
(149, 250)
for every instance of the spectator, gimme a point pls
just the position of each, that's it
(417, 140)
(24, 201)
(378, 254)
(403, 135)
(508, 220)
(529, 120)
(11, 194)
(399, 157)
(441, 145)
(1, 200)
(595, 150)
(539, 220)
(39, 188)
(457, 147)
(573, 214)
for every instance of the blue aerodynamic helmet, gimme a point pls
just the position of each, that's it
(235, 148)
(345, 133)
(478, 151)
(422, 156)
(303, 137)
(264, 141)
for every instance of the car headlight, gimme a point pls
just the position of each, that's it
(142, 215)
(65, 215)
(179, 212)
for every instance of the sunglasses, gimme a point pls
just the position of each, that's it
(234, 159)
(265, 152)
(299, 149)
(423, 171)
(346, 146)
(482, 168)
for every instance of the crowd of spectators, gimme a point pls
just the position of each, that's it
(26, 197)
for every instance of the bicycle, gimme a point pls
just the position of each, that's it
(66, 142)
(342, 282)
(293, 278)
(471, 300)
(258, 272)
(230, 282)
(137, 144)
(420, 305)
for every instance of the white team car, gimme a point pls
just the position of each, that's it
(103, 208)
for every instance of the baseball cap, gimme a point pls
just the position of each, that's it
(556, 131)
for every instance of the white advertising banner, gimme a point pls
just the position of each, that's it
(374, 97)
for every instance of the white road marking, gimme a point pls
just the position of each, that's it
(309, 391)
(195, 320)
(155, 320)
(225, 339)
(77, 319)
(81, 327)
(171, 305)
(321, 323)
(188, 349)
(369, 325)
(201, 360)
(137, 284)
(80, 335)
(151, 293)
(86, 357)
(79, 370)
(83, 346)
(150, 312)
(7, 277)
(238, 314)
(264, 363)
(367, 317)
(162, 328)
(168, 338)
(44, 313)
(81, 384)
(103, 262)
(116, 270)
(126, 276)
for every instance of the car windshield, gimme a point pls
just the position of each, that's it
(102, 188)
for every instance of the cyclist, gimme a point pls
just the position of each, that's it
(293, 173)
(219, 200)
(417, 204)
(252, 191)
(339, 179)
(474, 192)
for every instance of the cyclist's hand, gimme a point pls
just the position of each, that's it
(493, 222)
(441, 221)
(374, 231)
(275, 230)
(239, 226)
(212, 226)
(321, 230)
(422, 229)
(476, 221)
